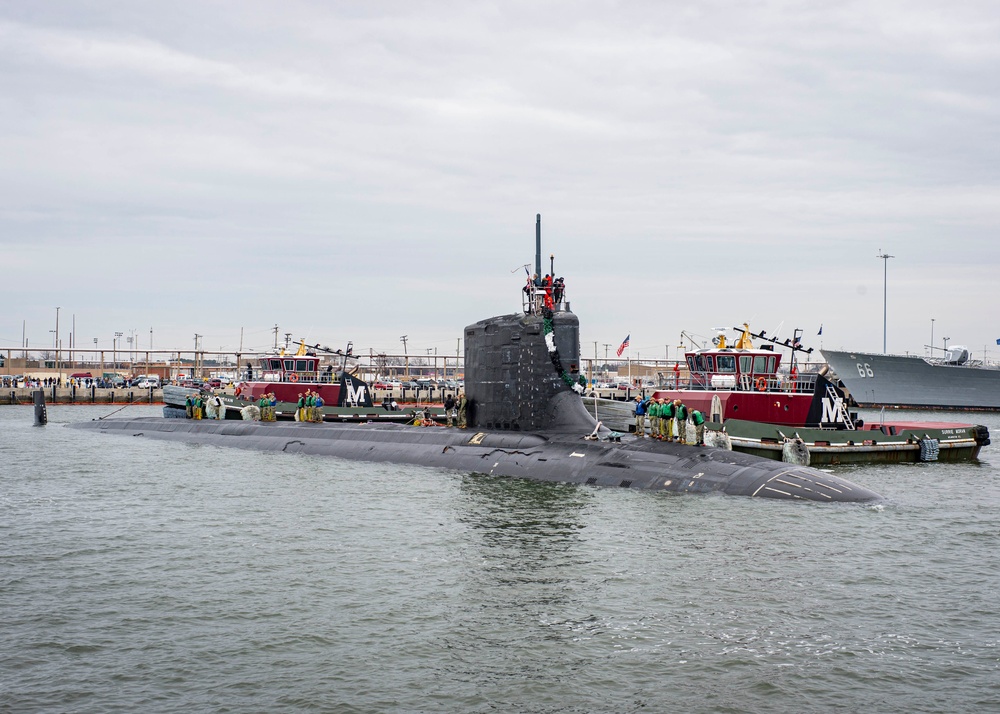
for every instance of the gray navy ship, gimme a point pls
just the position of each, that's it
(526, 419)
(952, 382)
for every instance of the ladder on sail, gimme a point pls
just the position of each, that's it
(836, 399)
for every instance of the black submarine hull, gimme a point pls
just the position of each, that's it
(526, 420)
(551, 457)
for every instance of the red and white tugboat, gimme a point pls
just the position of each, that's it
(287, 376)
(744, 382)
(752, 405)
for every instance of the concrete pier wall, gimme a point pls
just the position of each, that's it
(83, 395)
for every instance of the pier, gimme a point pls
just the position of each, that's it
(82, 395)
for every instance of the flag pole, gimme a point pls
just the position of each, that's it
(630, 360)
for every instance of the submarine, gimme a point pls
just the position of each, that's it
(525, 419)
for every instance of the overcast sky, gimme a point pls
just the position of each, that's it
(366, 170)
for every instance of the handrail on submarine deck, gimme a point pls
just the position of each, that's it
(532, 302)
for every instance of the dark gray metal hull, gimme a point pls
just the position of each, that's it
(877, 380)
(526, 420)
(557, 457)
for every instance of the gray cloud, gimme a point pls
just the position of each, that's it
(362, 171)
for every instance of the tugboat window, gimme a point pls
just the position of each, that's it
(302, 365)
(289, 365)
(760, 364)
(745, 362)
(726, 363)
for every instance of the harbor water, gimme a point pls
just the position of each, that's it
(142, 575)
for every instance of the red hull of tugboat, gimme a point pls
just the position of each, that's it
(783, 408)
(743, 382)
(288, 391)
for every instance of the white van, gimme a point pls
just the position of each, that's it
(148, 381)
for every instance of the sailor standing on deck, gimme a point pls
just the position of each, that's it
(640, 417)
(189, 406)
(661, 426)
(558, 288)
(463, 405)
(449, 410)
(681, 412)
(300, 408)
(318, 408)
(699, 427)
(653, 412)
(667, 420)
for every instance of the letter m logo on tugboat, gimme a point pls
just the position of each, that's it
(833, 410)
(355, 392)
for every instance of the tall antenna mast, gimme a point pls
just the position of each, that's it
(538, 244)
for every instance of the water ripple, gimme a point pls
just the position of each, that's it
(150, 576)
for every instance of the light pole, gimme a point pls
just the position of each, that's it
(114, 349)
(885, 287)
(195, 372)
(95, 356)
(932, 337)
(406, 355)
(57, 345)
(946, 347)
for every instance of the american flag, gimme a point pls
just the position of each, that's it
(623, 345)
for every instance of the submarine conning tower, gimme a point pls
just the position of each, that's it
(514, 381)
(522, 370)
